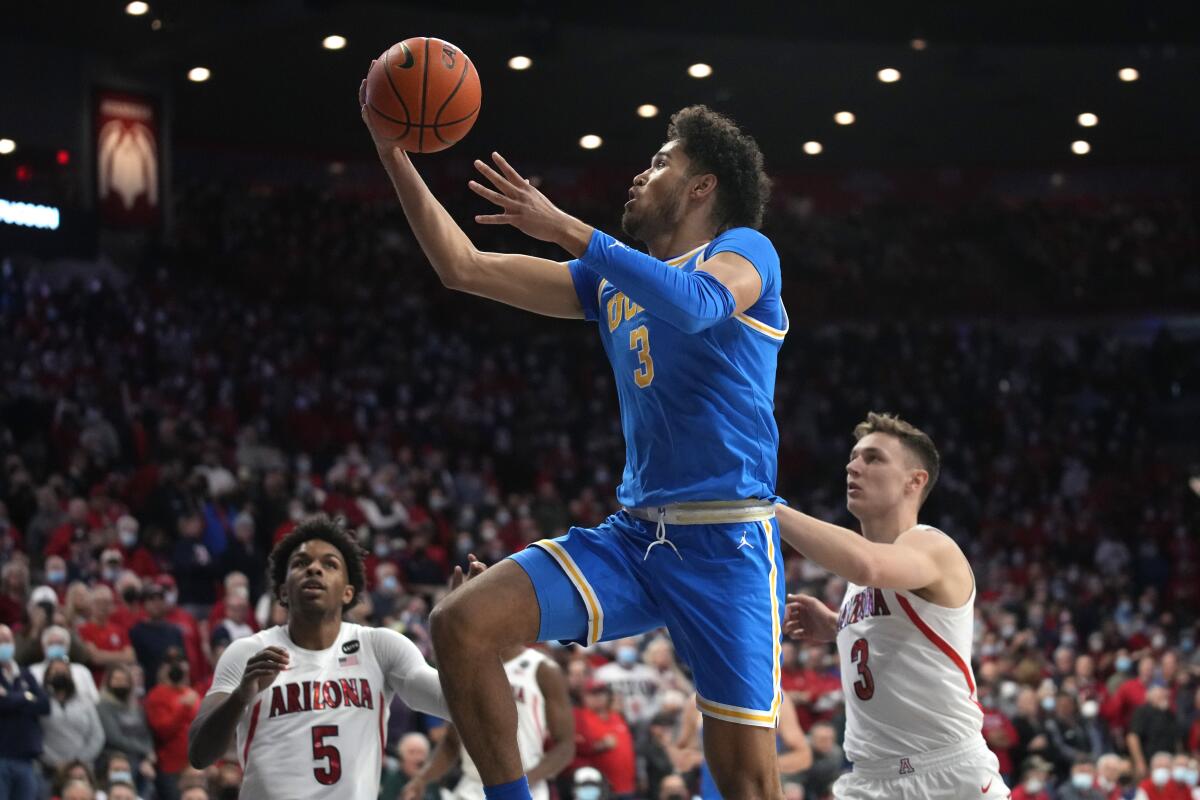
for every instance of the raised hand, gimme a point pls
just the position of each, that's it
(475, 567)
(261, 670)
(524, 207)
(809, 619)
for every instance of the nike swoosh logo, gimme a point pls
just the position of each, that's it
(408, 57)
(984, 789)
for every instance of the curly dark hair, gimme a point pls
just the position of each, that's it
(320, 526)
(715, 144)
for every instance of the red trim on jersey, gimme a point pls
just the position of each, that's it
(382, 738)
(940, 643)
(250, 734)
(536, 721)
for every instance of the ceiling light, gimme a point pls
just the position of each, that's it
(137, 8)
(7, 146)
(590, 142)
(699, 70)
(1087, 119)
(813, 148)
(888, 75)
(199, 74)
(647, 110)
(1080, 148)
(844, 118)
(1128, 74)
(333, 42)
(520, 63)
(918, 44)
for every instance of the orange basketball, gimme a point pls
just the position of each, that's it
(424, 94)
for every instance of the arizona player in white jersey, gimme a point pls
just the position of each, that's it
(543, 715)
(309, 700)
(913, 722)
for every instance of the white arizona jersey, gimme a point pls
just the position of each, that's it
(318, 730)
(531, 726)
(906, 673)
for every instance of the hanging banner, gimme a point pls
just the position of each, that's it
(128, 166)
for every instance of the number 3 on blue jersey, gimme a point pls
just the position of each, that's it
(639, 340)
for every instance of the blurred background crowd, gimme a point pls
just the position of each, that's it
(161, 429)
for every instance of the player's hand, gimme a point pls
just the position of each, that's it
(526, 208)
(475, 567)
(261, 670)
(809, 619)
(414, 789)
(388, 152)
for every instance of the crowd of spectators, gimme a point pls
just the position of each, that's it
(158, 437)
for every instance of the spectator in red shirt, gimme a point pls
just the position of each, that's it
(603, 740)
(14, 591)
(107, 642)
(1158, 784)
(170, 708)
(1119, 708)
(1033, 781)
(128, 597)
(188, 627)
(999, 733)
(74, 531)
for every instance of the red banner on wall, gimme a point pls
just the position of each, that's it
(128, 160)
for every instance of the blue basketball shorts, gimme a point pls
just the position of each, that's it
(718, 589)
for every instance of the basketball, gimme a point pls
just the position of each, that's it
(424, 94)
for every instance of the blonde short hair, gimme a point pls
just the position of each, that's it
(913, 438)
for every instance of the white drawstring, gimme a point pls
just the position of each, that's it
(660, 535)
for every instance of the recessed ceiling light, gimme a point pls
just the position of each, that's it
(199, 74)
(888, 75)
(590, 142)
(137, 8)
(813, 148)
(1080, 148)
(844, 118)
(1087, 119)
(918, 44)
(333, 42)
(520, 63)
(647, 110)
(7, 146)
(1128, 74)
(700, 70)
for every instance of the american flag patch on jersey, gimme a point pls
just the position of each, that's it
(348, 661)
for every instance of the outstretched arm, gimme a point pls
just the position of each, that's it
(914, 561)
(533, 284)
(560, 723)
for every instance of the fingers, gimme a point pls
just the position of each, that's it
(495, 219)
(477, 568)
(362, 93)
(488, 194)
(497, 180)
(506, 168)
(456, 578)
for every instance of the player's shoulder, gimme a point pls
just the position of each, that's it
(743, 237)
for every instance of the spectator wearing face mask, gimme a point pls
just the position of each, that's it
(170, 708)
(117, 772)
(1070, 740)
(636, 685)
(1158, 784)
(154, 636)
(1033, 781)
(124, 722)
(388, 592)
(1183, 776)
(56, 644)
(1082, 783)
(1129, 694)
(73, 730)
(589, 784)
(22, 703)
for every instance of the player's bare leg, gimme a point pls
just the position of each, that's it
(742, 759)
(470, 628)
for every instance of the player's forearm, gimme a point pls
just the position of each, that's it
(449, 250)
(837, 549)
(554, 761)
(211, 732)
(690, 301)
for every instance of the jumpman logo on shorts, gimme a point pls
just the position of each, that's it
(744, 543)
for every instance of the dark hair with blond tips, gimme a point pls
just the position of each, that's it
(912, 437)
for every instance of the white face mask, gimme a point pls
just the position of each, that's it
(1081, 781)
(1160, 776)
(1033, 785)
(1179, 774)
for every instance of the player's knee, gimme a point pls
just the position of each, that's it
(457, 624)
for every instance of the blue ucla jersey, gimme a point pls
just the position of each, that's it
(697, 409)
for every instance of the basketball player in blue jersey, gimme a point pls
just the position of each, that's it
(692, 330)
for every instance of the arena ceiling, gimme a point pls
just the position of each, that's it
(994, 84)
